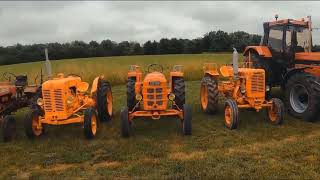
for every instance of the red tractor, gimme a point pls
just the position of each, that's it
(154, 97)
(285, 55)
(15, 93)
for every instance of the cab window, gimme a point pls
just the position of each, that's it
(275, 39)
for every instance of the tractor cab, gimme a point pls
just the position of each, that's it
(285, 38)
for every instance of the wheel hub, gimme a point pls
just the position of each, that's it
(299, 98)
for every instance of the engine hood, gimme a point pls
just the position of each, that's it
(308, 56)
(155, 76)
(7, 88)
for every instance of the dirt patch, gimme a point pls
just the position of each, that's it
(186, 156)
(107, 164)
(59, 167)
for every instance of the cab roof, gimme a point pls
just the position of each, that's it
(301, 22)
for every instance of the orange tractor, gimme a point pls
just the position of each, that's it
(245, 88)
(154, 97)
(66, 100)
(285, 53)
(15, 93)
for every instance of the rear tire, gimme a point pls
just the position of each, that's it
(231, 114)
(179, 91)
(187, 120)
(91, 122)
(8, 128)
(104, 101)
(209, 95)
(276, 112)
(131, 94)
(31, 122)
(302, 94)
(125, 125)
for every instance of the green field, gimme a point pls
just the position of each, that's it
(157, 149)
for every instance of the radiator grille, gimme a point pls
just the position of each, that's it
(257, 82)
(47, 100)
(51, 98)
(156, 98)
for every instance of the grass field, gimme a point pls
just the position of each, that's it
(157, 149)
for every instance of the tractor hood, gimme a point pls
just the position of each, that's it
(155, 77)
(308, 56)
(7, 88)
(63, 82)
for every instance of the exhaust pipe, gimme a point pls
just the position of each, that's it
(235, 58)
(48, 64)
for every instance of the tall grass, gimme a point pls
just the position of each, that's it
(115, 68)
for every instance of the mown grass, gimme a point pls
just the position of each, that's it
(157, 149)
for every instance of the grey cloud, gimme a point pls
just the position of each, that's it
(42, 22)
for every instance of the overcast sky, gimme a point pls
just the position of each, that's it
(43, 22)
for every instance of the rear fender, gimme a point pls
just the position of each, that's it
(210, 69)
(263, 51)
(95, 84)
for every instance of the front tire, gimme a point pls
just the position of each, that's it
(276, 112)
(90, 123)
(209, 95)
(8, 128)
(302, 94)
(125, 125)
(104, 101)
(231, 114)
(32, 124)
(187, 120)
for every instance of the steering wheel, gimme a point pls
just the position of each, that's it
(76, 75)
(7, 76)
(154, 65)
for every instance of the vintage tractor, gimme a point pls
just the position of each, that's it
(245, 88)
(285, 55)
(66, 100)
(15, 93)
(154, 97)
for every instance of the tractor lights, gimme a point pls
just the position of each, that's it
(139, 97)
(172, 96)
(40, 101)
(69, 101)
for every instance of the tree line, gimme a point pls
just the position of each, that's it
(214, 41)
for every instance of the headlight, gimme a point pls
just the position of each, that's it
(70, 100)
(267, 88)
(40, 101)
(172, 96)
(138, 97)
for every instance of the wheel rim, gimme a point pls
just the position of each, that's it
(109, 102)
(273, 113)
(36, 126)
(204, 96)
(299, 98)
(228, 115)
(94, 124)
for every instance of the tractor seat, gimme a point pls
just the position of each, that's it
(83, 87)
(21, 80)
(226, 71)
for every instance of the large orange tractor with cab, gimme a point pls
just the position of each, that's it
(67, 100)
(15, 93)
(154, 97)
(244, 88)
(285, 53)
